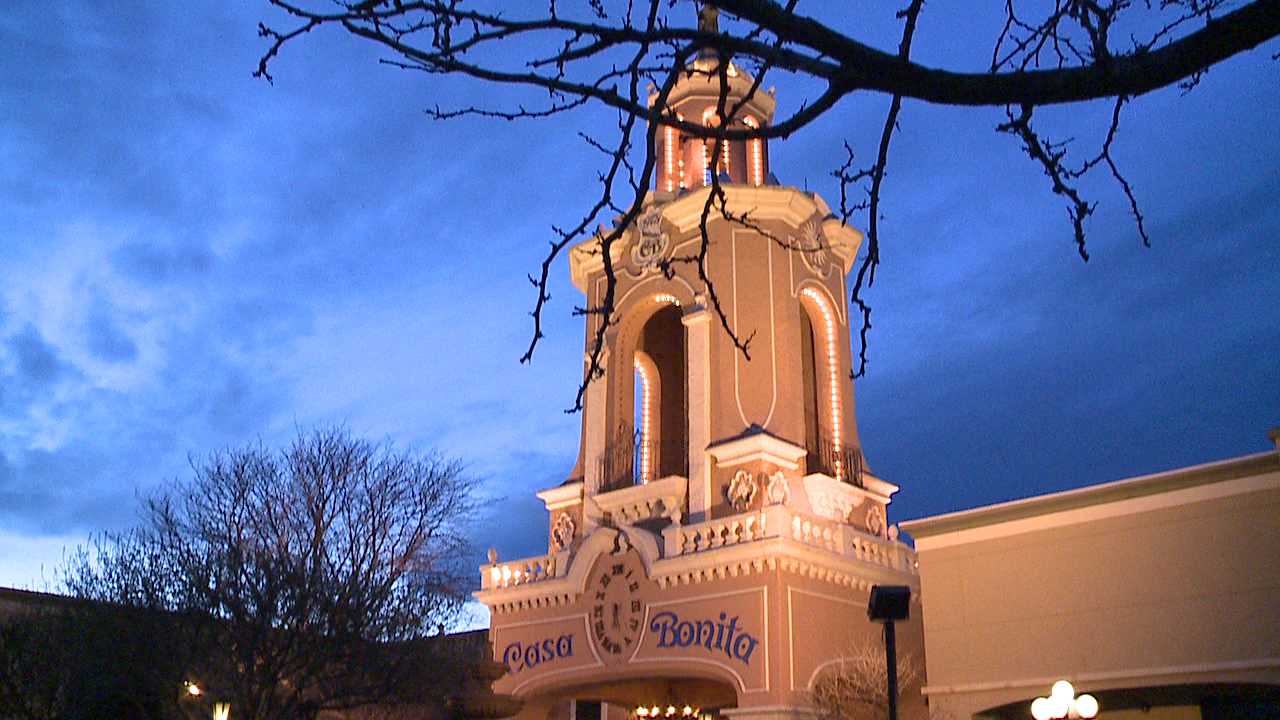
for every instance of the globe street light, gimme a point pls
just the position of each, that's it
(1063, 703)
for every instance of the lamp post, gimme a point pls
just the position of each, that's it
(887, 605)
(1064, 703)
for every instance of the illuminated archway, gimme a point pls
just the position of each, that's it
(823, 362)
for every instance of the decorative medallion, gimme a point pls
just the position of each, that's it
(616, 610)
(812, 245)
(562, 533)
(741, 490)
(778, 491)
(652, 244)
(876, 520)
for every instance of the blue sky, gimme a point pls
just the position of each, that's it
(191, 259)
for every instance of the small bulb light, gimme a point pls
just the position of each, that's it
(1087, 706)
(1040, 709)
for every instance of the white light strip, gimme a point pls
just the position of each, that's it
(646, 420)
(755, 150)
(829, 338)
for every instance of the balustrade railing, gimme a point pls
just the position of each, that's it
(842, 462)
(519, 572)
(781, 521)
(628, 459)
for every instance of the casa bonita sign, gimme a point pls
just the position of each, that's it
(710, 634)
(670, 632)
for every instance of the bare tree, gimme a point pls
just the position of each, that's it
(628, 56)
(854, 686)
(310, 579)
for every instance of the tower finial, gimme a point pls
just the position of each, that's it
(708, 18)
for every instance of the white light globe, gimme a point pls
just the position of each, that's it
(1059, 707)
(1062, 689)
(1087, 706)
(1040, 709)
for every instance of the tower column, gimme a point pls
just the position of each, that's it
(594, 412)
(697, 323)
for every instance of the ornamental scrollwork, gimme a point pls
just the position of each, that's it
(563, 531)
(812, 245)
(652, 244)
(778, 490)
(742, 490)
(876, 522)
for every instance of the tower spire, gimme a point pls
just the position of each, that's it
(708, 18)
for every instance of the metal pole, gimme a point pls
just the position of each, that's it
(891, 665)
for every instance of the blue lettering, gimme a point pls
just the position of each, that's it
(727, 637)
(518, 656)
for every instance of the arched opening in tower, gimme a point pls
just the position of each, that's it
(809, 363)
(661, 423)
(824, 432)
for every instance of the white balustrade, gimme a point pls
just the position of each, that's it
(518, 572)
(781, 521)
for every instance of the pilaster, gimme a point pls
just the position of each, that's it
(697, 323)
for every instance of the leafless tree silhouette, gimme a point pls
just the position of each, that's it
(854, 686)
(629, 55)
(315, 578)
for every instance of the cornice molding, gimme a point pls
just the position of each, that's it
(757, 446)
(765, 202)
(561, 496)
(640, 502)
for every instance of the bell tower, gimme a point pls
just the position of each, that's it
(677, 397)
(714, 545)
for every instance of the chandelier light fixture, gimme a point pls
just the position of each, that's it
(1064, 703)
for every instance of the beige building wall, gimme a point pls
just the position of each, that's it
(1154, 594)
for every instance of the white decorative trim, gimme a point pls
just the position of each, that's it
(1226, 666)
(830, 498)
(561, 496)
(637, 503)
(1088, 513)
(758, 446)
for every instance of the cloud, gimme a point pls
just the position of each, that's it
(37, 362)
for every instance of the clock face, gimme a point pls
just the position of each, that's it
(616, 612)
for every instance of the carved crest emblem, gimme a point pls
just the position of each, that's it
(741, 491)
(562, 533)
(876, 520)
(778, 491)
(652, 244)
(812, 246)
